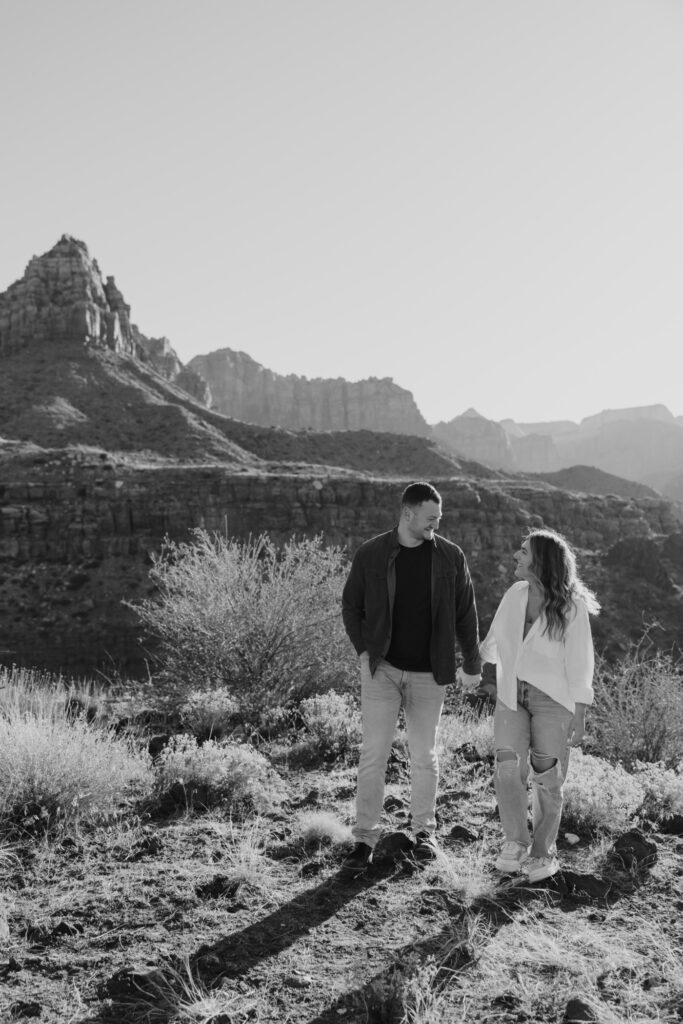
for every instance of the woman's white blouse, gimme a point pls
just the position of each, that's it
(563, 669)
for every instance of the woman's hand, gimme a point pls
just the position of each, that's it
(577, 730)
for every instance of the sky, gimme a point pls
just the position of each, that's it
(481, 199)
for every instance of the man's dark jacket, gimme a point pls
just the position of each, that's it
(368, 604)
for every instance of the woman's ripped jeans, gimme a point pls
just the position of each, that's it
(531, 743)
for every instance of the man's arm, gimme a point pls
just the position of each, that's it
(353, 603)
(466, 621)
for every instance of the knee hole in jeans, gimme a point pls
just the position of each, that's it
(543, 763)
(507, 761)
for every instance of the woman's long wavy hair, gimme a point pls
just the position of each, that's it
(553, 563)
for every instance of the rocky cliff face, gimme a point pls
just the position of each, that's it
(245, 390)
(537, 453)
(63, 298)
(77, 529)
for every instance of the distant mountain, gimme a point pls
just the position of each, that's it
(471, 432)
(549, 429)
(589, 480)
(245, 390)
(643, 444)
(75, 371)
(63, 297)
(637, 414)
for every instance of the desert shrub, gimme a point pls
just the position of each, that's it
(663, 789)
(321, 828)
(599, 795)
(408, 992)
(44, 695)
(217, 773)
(333, 723)
(262, 621)
(638, 711)
(55, 770)
(209, 714)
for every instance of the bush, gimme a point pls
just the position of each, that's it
(638, 711)
(55, 770)
(209, 713)
(42, 695)
(599, 796)
(321, 828)
(263, 622)
(663, 790)
(333, 722)
(231, 775)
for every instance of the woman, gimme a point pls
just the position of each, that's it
(540, 640)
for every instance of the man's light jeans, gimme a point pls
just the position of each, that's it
(381, 699)
(539, 727)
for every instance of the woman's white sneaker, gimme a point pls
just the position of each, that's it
(511, 858)
(538, 868)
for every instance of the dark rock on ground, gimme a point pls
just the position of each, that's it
(462, 834)
(633, 851)
(577, 1011)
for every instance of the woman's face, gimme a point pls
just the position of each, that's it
(523, 560)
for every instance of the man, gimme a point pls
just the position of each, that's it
(407, 597)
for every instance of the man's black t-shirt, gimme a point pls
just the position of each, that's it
(411, 626)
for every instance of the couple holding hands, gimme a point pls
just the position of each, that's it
(408, 598)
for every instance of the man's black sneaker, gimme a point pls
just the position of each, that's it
(426, 846)
(358, 861)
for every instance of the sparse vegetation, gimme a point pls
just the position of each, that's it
(638, 713)
(663, 790)
(204, 886)
(322, 828)
(333, 723)
(209, 714)
(599, 795)
(232, 775)
(263, 622)
(467, 730)
(58, 767)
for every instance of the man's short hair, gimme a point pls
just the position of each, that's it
(419, 492)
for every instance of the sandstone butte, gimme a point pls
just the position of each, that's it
(109, 444)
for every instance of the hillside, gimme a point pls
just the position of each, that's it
(593, 481)
(103, 456)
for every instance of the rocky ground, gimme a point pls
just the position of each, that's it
(197, 918)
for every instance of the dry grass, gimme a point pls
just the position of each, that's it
(226, 917)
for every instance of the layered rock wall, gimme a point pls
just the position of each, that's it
(77, 537)
(62, 296)
(245, 390)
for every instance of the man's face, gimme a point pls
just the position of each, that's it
(423, 520)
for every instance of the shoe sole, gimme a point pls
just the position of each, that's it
(541, 876)
(353, 872)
